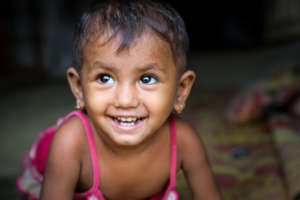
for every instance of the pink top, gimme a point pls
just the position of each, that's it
(95, 194)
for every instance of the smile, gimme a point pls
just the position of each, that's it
(130, 121)
(127, 123)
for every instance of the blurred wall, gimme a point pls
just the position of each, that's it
(36, 35)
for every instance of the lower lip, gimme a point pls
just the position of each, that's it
(126, 128)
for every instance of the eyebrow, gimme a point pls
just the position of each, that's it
(151, 66)
(147, 67)
(99, 64)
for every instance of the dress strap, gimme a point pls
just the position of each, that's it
(173, 152)
(92, 146)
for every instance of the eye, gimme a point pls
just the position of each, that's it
(105, 79)
(147, 79)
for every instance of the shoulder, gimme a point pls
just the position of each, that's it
(69, 137)
(188, 140)
(64, 160)
(194, 162)
(185, 133)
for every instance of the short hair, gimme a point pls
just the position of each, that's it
(130, 18)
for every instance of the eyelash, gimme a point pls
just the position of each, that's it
(102, 78)
(152, 78)
(108, 79)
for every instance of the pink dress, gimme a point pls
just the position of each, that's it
(29, 183)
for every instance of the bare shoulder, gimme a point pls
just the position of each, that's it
(70, 135)
(184, 127)
(63, 161)
(194, 162)
(188, 139)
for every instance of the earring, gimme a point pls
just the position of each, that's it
(178, 111)
(179, 108)
(78, 105)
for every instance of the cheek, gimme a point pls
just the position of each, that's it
(160, 101)
(95, 101)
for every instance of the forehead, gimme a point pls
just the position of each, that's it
(148, 47)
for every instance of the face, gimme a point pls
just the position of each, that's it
(128, 95)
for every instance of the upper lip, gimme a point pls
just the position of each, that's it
(126, 117)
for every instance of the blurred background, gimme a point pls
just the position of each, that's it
(234, 44)
(36, 36)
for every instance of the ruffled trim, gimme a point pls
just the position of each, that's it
(28, 183)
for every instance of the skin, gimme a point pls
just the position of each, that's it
(140, 82)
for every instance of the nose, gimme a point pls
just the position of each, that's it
(126, 96)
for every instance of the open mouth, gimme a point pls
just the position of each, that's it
(127, 121)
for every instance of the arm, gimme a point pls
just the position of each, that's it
(63, 165)
(195, 164)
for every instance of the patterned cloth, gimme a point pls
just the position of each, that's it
(269, 111)
(287, 142)
(246, 159)
(277, 93)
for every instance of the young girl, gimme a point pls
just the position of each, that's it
(123, 142)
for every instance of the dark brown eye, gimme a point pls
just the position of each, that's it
(105, 79)
(147, 79)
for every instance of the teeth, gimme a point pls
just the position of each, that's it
(127, 124)
(127, 121)
(124, 119)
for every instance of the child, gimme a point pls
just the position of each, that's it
(123, 142)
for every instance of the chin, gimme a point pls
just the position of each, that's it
(128, 141)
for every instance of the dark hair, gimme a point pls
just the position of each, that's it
(130, 18)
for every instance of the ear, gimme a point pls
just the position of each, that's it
(75, 85)
(186, 82)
